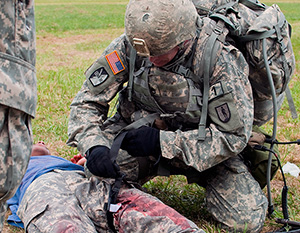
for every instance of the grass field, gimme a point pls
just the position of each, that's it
(72, 34)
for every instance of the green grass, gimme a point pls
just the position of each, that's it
(72, 34)
(57, 19)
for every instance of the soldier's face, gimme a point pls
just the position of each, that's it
(163, 59)
(39, 149)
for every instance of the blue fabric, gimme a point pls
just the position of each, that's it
(38, 165)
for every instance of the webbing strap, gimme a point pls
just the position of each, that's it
(132, 58)
(283, 50)
(291, 103)
(226, 6)
(207, 71)
(114, 188)
(223, 18)
(114, 151)
(148, 121)
(112, 199)
(257, 36)
(253, 4)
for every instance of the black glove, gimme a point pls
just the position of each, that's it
(143, 141)
(99, 162)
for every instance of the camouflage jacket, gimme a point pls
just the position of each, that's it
(230, 110)
(17, 55)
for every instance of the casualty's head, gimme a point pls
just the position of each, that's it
(39, 149)
(155, 27)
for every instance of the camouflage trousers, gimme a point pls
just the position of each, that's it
(233, 197)
(15, 149)
(66, 201)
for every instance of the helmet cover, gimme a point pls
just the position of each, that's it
(154, 27)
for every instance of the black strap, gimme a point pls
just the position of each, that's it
(114, 188)
(114, 151)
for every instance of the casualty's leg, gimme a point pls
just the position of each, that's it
(141, 212)
(234, 198)
(49, 204)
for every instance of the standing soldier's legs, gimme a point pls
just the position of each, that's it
(15, 149)
(234, 198)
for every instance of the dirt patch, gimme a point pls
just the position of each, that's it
(71, 50)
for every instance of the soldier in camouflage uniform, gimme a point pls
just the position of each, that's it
(17, 93)
(162, 88)
(56, 196)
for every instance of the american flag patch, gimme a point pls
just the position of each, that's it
(115, 62)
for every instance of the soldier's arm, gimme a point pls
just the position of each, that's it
(230, 118)
(90, 106)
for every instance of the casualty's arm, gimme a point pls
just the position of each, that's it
(230, 117)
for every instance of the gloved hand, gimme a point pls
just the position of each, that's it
(256, 138)
(99, 162)
(141, 142)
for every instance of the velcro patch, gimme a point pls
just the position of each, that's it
(223, 112)
(98, 76)
(115, 62)
(216, 90)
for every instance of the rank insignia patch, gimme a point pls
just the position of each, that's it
(115, 62)
(98, 76)
(223, 113)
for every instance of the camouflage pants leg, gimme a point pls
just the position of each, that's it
(15, 149)
(234, 198)
(66, 201)
(50, 205)
(141, 212)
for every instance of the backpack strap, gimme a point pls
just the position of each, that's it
(208, 53)
(291, 103)
(229, 6)
(253, 4)
(233, 28)
(132, 59)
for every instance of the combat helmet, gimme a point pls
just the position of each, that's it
(154, 27)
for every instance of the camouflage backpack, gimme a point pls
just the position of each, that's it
(262, 34)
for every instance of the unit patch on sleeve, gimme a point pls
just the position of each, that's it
(98, 76)
(223, 112)
(115, 62)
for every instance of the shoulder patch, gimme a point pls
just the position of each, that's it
(98, 76)
(223, 112)
(115, 62)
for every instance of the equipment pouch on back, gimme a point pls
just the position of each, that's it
(257, 160)
(272, 25)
